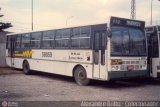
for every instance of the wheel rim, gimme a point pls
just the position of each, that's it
(81, 75)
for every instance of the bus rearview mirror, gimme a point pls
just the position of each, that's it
(109, 34)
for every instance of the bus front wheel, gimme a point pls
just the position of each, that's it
(80, 76)
(26, 68)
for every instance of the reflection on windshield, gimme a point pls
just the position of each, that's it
(127, 41)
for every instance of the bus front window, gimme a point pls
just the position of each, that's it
(127, 42)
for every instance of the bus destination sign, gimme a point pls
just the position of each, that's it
(149, 29)
(116, 21)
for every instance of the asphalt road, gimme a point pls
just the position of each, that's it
(49, 87)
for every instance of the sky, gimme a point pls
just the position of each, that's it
(50, 14)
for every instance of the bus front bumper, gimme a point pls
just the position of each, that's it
(126, 74)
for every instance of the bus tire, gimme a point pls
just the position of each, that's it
(26, 68)
(80, 76)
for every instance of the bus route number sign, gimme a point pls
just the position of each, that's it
(116, 21)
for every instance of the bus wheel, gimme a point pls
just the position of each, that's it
(80, 76)
(26, 68)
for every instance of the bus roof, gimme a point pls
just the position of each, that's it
(56, 29)
(124, 22)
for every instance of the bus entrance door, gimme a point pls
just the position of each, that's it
(153, 54)
(12, 40)
(99, 54)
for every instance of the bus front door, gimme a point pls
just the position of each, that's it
(99, 54)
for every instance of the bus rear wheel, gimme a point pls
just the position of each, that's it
(80, 76)
(26, 68)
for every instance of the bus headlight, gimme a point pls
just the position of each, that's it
(115, 68)
(116, 62)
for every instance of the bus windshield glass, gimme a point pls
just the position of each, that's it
(127, 41)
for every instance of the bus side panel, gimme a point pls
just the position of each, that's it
(8, 61)
(61, 61)
(48, 66)
(18, 63)
(88, 68)
(62, 68)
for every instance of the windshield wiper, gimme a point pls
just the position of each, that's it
(124, 50)
(135, 48)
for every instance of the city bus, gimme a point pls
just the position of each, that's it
(153, 40)
(107, 51)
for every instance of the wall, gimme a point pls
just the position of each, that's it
(2, 49)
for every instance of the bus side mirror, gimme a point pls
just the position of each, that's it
(109, 34)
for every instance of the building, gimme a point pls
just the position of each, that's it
(2, 49)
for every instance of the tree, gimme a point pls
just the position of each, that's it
(3, 25)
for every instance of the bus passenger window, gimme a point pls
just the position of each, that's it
(84, 43)
(75, 43)
(62, 38)
(81, 37)
(65, 38)
(48, 39)
(85, 37)
(58, 38)
(18, 41)
(85, 31)
(25, 41)
(36, 40)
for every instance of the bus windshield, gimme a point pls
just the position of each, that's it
(128, 41)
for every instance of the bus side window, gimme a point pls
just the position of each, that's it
(65, 38)
(36, 39)
(58, 39)
(74, 39)
(85, 37)
(25, 43)
(48, 39)
(18, 41)
(62, 38)
(81, 37)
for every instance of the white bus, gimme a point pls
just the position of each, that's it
(102, 51)
(153, 38)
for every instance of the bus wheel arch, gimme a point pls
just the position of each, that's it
(80, 75)
(26, 67)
